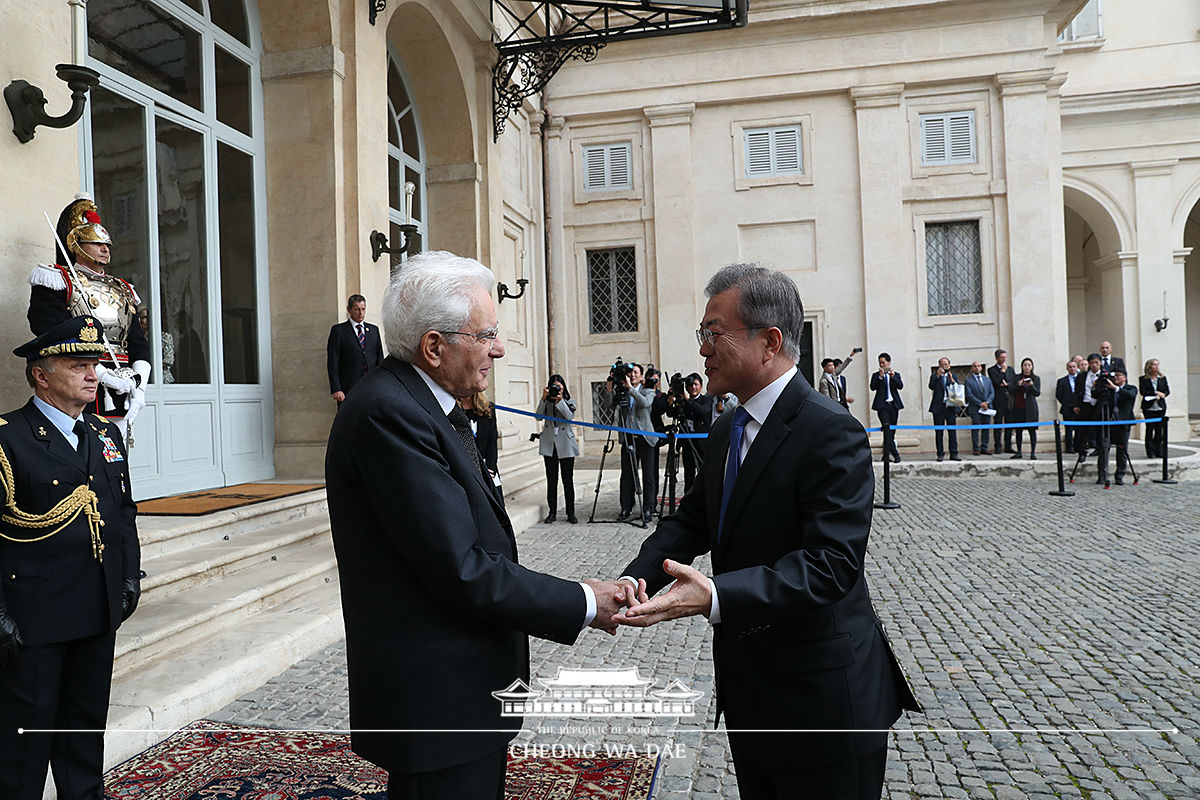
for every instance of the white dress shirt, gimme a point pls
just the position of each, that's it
(63, 423)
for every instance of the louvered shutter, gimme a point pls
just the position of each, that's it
(962, 138)
(786, 150)
(933, 140)
(948, 138)
(758, 153)
(618, 167)
(607, 167)
(593, 168)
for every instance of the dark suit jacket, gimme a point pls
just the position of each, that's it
(1145, 390)
(347, 362)
(437, 609)
(799, 644)
(1008, 375)
(937, 403)
(879, 387)
(1067, 399)
(1115, 364)
(55, 589)
(487, 438)
(1030, 395)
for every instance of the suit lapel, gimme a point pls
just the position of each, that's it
(43, 430)
(772, 434)
(407, 375)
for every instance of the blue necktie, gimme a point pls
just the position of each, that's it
(740, 417)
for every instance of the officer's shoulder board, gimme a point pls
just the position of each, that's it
(3, 422)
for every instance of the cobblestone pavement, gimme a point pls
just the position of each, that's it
(1013, 613)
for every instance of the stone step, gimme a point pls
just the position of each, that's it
(175, 623)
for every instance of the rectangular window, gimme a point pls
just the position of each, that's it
(948, 138)
(607, 167)
(953, 268)
(1085, 25)
(602, 414)
(612, 290)
(773, 151)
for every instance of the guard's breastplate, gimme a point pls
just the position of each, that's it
(110, 301)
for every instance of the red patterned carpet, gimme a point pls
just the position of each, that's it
(213, 761)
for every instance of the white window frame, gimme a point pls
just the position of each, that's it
(738, 131)
(947, 120)
(774, 137)
(1069, 35)
(941, 102)
(987, 263)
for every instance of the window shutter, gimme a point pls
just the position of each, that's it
(758, 153)
(618, 167)
(593, 168)
(933, 140)
(787, 150)
(962, 138)
(607, 167)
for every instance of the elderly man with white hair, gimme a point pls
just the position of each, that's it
(437, 609)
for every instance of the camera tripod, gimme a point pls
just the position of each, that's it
(628, 451)
(1103, 442)
(671, 472)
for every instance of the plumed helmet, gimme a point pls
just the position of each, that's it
(80, 222)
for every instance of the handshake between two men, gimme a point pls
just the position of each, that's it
(626, 602)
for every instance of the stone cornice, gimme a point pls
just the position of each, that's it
(880, 95)
(1028, 81)
(312, 61)
(1152, 169)
(1122, 259)
(676, 114)
(1125, 101)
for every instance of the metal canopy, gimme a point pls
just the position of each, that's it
(546, 34)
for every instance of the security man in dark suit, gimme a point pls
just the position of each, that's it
(1068, 408)
(806, 678)
(886, 384)
(354, 348)
(1109, 362)
(69, 568)
(695, 408)
(1003, 377)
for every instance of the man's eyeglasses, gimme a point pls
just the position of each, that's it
(489, 336)
(705, 336)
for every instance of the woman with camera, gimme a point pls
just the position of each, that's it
(558, 446)
(1024, 405)
(1152, 386)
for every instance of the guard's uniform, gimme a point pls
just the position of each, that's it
(68, 541)
(57, 294)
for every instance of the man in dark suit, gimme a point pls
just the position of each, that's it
(70, 568)
(695, 409)
(1003, 377)
(1109, 362)
(354, 348)
(886, 384)
(784, 504)
(437, 609)
(943, 413)
(1068, 408)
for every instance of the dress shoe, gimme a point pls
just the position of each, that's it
(624, 515)
(939, 459)
(985, 452)
(1032, 457)
(1014, 455)
(974, 452)
(955, 457)
(572, 519)
(1009, 450)
(896, 458)
(1119, 481)
(550, 518)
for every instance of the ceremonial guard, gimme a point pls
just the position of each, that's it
(69, 568)
(79, 283)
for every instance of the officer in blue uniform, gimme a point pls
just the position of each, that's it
(69, 568)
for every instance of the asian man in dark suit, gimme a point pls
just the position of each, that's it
(354, 348)
(437, 609)
(1068, 408)
(886, 384)
(784, 505)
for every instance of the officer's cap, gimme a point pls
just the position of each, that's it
(79, 337)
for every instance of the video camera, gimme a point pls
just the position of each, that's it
(617, 373)
(678, 387)
(553, 391)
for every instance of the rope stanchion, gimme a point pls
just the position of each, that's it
(1062, 489)
(887, 470)
(1166, 478)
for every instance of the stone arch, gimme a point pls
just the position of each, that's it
(439, 59)
(1102, 212)
(1099, 239)
(1185, 210)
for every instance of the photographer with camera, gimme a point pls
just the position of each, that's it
(688, 404)
(625, 394)
(1125, 395)
(1096, 404)
(558, 447)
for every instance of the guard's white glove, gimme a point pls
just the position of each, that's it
(136, 402)
(118, 383)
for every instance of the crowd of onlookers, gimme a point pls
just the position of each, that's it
(1094, 389)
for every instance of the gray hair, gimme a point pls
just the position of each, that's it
(769, 299)
(430, 292)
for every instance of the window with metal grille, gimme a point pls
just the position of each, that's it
(953, 268)
(612, 290)
(773, 151)
(602, 414)
(607, 167)
(948, 138)
(1085, 24)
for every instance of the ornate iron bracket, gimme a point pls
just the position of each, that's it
(27, 103)
(545, 34)
(375, 8)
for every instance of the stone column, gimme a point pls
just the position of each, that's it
(1177, 310)
(1036, 257)
(302, 99)
(889, 284)
(1160, 279)
(673, 293)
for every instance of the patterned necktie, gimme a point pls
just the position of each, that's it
(740, 417)
(81, 434)
(462, 426)
(362, 337)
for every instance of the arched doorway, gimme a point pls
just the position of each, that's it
(1191, 264)
(406, 154)
(173, 153)
(1101, 273)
